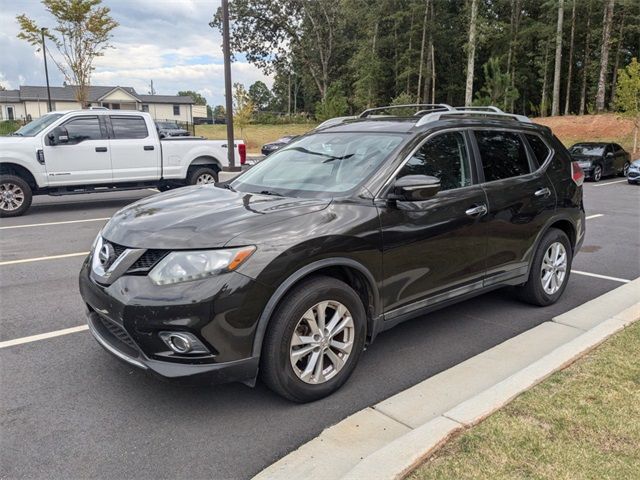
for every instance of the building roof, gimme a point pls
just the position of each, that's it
(96, 93)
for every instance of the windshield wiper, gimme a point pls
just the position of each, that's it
(269, 192)
(226, 186)
(17, 134)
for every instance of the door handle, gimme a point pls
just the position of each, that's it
(543, 192)
(477, 210)
(101, 149)
(148, 147)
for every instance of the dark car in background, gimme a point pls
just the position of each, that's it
(601, 159)
(171, 129)
(268, 148)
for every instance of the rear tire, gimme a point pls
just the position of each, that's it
(15, 196)
(298, 334)
(203, 176)
(544, 285)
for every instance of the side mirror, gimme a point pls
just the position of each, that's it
(415, 188)
(58, 135)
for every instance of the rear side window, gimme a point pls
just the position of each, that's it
(443, 156)
(129, 127)
(83, 128)
(503, 155)
(540, 149)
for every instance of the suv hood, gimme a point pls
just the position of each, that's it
(200, 217)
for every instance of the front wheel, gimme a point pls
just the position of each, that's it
(550, 268)
(202, 176)
(15, 196)
(314, 340)
(596, 176)
(625, 169)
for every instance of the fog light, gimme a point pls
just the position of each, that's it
(183, 342)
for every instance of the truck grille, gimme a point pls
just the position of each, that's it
(147, 261)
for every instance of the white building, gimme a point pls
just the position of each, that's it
(31, 102)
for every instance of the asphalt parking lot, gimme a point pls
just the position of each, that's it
(69, 410)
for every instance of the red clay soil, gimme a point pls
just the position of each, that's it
(606, 127)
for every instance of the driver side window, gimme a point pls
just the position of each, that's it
(83, 128)
(444, 156)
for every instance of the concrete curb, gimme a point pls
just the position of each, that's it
(409, 427)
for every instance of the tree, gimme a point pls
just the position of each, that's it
(570, 72)
(81, 34)
(219, 112)
(471, 53)
(604, 54)
(243, 107)
(497, 88)
(197, 98)
(585, 62)
(260, 95)
(333, 105)
(628, 95)
(555, 102)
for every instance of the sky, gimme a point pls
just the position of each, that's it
(167, 41)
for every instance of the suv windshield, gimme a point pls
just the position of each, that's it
(320, 164)
(31, 129)
(591, 150)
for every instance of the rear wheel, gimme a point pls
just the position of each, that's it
(15, 196)
(549, 271)
(202, 176)
(314, 340)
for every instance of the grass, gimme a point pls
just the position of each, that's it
(581, 423)
(254, 135)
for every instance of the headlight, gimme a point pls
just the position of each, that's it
(584, 163)
(193, 265)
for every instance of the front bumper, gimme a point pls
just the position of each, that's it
(126, 317)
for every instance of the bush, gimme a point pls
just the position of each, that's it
(9, 126)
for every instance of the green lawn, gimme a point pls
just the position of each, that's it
(254, 135)
(581, 423)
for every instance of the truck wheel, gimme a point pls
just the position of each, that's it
(15, 196)
(202, 176)
(314, 340)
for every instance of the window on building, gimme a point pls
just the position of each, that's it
(503, 154)
(176, 109)
(145, 107)
(443, 156)
(129, 127)
(80, 129)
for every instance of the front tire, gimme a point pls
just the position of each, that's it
(625, 169)
(549, 271)
(596, 176)
(202, 176)
(15, 196)
(314, 340)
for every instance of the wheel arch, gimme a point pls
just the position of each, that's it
(9, 168)
(205, 160)
(356, 275)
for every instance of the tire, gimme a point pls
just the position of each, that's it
(15, 196)
(534, 291)
(279, 370)
(625, 169)
(596, 175)
(202, 176)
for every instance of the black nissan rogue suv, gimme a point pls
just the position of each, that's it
(289, 270)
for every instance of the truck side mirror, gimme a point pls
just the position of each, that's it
(58, 136)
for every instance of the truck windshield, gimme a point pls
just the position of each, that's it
(319, 165)
(31, 129)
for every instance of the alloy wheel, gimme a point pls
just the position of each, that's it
(625, 170)
(205, 178)
(322, 342)
(597, 173)
(554, 268)
(11, 197)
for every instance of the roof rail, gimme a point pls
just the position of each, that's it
(334, 121)
(432, 117)
(487, 108)
(430, 106)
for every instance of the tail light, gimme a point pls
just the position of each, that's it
(242, 150)
(577, 175)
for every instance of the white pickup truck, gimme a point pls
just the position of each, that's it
(88, 151)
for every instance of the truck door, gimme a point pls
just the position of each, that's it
(135, 151)
(84, 158)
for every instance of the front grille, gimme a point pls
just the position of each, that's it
(147, 261)
(119, 334)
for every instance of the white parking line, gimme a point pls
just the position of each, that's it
(55, 223)
(596, 275)
(40, 259)
(43, 336)
(610, 183)
(594, 216)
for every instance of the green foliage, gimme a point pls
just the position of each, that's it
(243, 107)
(628, 89)
(218, 112)
(403, 99)
(198, 98)
(497, 86)
(260, 95)
(334, 105)
(81, 34)
(8, 126)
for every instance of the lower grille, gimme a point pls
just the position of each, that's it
(118, 336)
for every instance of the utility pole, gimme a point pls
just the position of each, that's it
(46, 70)
(226, 49)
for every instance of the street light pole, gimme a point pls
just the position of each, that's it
(226, 49)
(46, 70)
